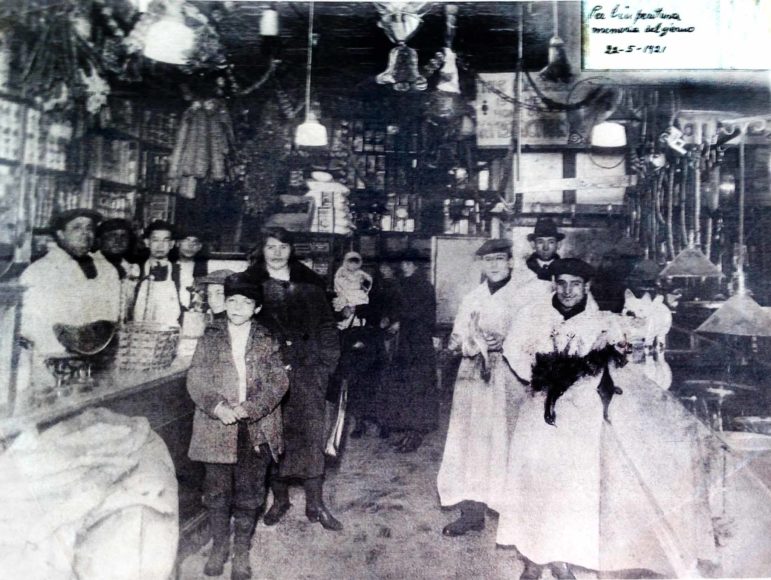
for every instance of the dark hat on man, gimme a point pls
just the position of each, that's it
(572, 267)
(216, 277)
(241, 284)
(495, 246)
(160, 225)
(60, 220)
(113, 225)
(545, 228)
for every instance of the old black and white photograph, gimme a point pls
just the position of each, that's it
(388, 290)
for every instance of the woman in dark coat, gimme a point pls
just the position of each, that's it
(294, 298)
(412, 402)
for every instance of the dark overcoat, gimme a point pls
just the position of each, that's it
(213, 378)
(411, 398)
(311, 347)
(543, 272)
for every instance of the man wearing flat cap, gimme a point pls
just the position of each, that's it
(545, 241)
(68, 285)
(560, 346)
(487, 395)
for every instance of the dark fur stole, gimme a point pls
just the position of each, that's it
(555, 372)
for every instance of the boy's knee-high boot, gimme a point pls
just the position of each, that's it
(243, 523)
(281, 505)
(219, 523)
(315, 509)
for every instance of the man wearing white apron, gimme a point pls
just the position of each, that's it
(487, 394)
(158, 292)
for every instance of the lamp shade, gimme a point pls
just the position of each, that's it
(311, 133)
(170, 40)
(740, 315)
(690, 263)
(269, 22)
(608, 135)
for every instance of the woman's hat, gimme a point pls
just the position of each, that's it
(412, 255)
(545, 228)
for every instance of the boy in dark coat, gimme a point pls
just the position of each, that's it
(236, 380)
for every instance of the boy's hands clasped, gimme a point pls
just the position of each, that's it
(230, 415)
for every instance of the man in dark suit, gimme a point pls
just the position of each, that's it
(545, 240)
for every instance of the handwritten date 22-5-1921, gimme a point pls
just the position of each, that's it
(647, 49)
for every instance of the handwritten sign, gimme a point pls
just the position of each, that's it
(676, 34)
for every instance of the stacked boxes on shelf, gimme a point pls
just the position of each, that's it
(10, 129)
(115, 160)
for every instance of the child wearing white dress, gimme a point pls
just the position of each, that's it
(352, 284)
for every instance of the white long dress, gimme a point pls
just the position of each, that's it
(483, 412)
(633, 494)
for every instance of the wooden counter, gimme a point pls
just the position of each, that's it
(162, 398)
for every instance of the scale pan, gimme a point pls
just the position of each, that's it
(88, 339)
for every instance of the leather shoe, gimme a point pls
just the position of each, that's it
(322, 516)
(275, 513)
(462, 526)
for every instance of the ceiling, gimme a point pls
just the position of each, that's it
(351, 50)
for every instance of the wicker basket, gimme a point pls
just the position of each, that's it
(145, 346)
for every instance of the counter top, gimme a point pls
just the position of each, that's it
(109, 386)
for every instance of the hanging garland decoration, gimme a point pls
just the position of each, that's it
(204, 147)
(59, 66)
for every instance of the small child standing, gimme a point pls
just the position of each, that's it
(352, 284)
(236, 380)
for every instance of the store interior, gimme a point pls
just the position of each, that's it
(381, 128)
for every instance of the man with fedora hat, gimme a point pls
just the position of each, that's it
(487, 395)
(68, 285)
(545, 240)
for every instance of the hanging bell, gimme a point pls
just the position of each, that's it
(558, 69)
(402, 71)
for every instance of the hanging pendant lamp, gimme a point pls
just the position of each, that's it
(170, 39)
(558, 68)
(740, 315)
(310, 133)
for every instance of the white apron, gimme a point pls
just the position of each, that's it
(606, 497)
(483, 412)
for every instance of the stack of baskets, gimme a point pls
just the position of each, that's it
(146, 346)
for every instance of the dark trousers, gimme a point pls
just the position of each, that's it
(240, 485)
